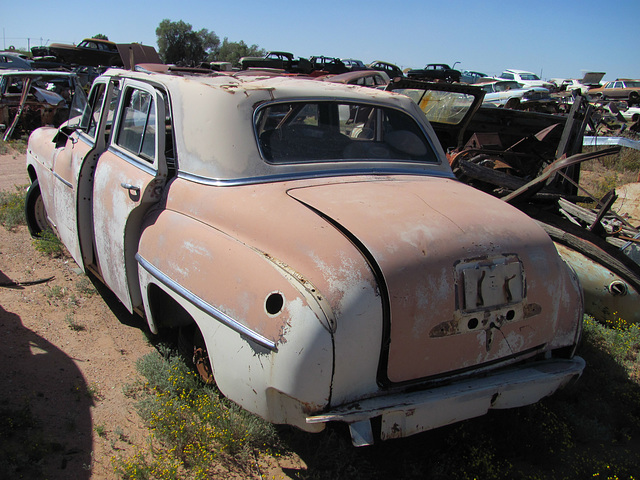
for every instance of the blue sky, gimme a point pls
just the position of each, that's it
(555, 39)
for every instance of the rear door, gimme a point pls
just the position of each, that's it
(129, 179)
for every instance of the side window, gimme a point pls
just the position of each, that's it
(111, 114)
(91, 115)
(137, 130)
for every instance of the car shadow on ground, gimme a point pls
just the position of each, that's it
(590, 427)
(45, 402)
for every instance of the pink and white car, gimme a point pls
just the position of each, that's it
(311, 242)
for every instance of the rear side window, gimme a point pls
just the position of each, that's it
(137, 131)
(302, 132)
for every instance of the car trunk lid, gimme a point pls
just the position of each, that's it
(469, 280)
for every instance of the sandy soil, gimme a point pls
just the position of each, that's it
(67, 351)
(72, 379)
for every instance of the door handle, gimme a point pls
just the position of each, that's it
(128, 186)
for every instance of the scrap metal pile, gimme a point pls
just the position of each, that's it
(533, 161)
(539, 172)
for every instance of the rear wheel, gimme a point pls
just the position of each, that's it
(192, 347)
(35, 212)
(634, 98)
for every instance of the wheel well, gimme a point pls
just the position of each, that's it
(165, 311)
(32, 173)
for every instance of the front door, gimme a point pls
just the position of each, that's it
(129, 178)
(77, 152)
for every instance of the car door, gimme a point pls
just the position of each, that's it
(77, 150)
(129, 179)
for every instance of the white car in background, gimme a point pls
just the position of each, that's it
(511, 94)
(582, 85)
(528, 79)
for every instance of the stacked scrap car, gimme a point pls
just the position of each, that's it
(92, 52)
(435, 72)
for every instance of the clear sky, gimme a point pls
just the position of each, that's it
(555, 39)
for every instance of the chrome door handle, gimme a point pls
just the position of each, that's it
(128, 186)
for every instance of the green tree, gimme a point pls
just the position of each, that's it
(234, 51)
(101, 36)
(179, 44)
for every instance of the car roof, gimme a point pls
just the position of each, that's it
(234, 97)
(99, 40)
(513, 70)
(37, 73)
(348, 76)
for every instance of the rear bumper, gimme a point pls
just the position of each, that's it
(405, 414)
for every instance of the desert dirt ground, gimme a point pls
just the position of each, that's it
(68, 349)
(66, 353)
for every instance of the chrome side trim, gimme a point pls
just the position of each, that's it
(204, 306)
(283, 177)
(130, 158)
(62, 180)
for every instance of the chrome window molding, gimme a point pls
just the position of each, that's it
(284, 177)
(133, 160)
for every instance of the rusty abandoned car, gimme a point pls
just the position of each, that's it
(32, 98)
(312, 243)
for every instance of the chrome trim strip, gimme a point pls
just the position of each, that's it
(204, 306)
(129, 158)
(62, 180)
(85, 138)
(283, 177)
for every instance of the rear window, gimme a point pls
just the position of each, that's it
(302, 132)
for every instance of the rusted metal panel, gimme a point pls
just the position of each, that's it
(606, 295)
(430, 227)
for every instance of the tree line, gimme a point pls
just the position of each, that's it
(179, 44)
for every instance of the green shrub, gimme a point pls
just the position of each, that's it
(49, 244)
(12, 208)
(191, 425)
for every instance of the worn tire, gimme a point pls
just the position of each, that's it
(634, 98)
(34, 210)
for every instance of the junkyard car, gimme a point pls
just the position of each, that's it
(279, 60)
(328, 65)
(91, 52)
(589, 81)
(511, 94)
(528, 79)
(389, 68)
(435, 71)
(471, 77)
(353, 65)
(32, 98)
(620, 89)
(14, 61)
(312, 241)
(365, 78)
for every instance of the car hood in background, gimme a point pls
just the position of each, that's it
(592, 78)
